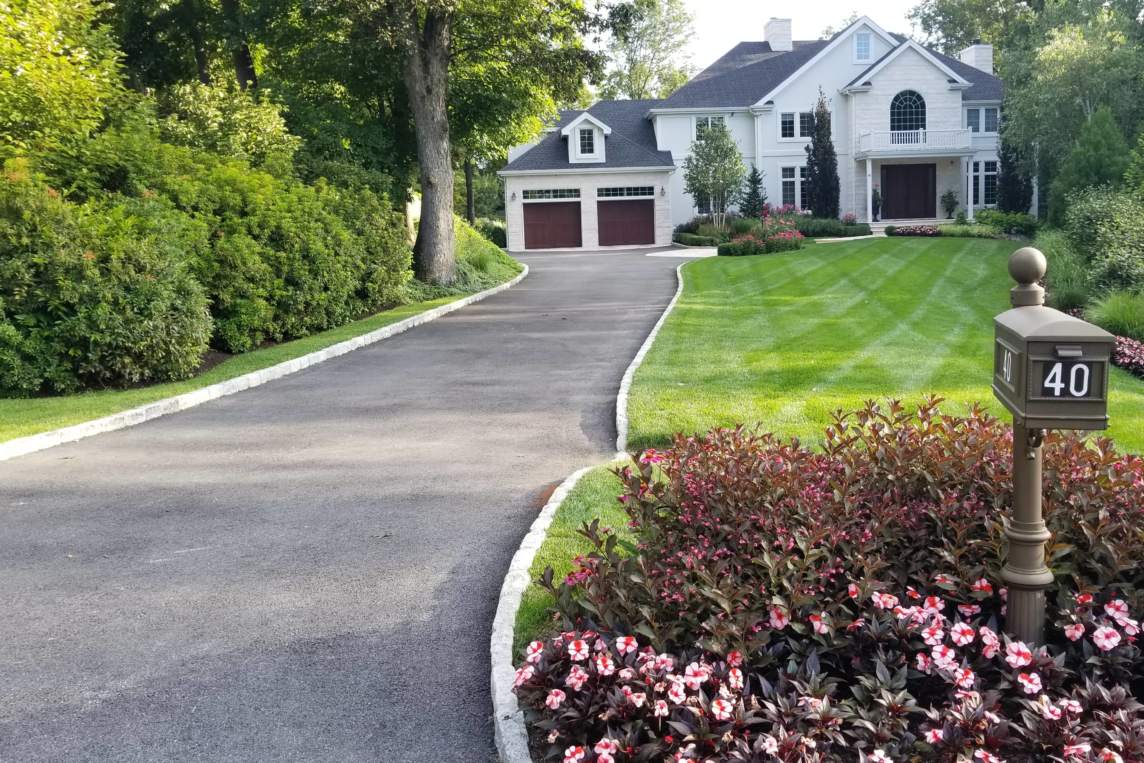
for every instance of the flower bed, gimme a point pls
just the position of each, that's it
(913, 230)
(777, 233)
(846, 605)
(1129, 355)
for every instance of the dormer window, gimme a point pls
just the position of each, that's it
(587, 141)
(862, 47)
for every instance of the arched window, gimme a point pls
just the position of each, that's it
(907, 111)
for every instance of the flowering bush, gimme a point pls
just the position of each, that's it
(846, 604)
(1129, 355)
(849, 218)
(912, 230)
(778, 233)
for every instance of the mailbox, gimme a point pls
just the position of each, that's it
(1049, 368)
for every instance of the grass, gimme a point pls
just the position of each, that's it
(594, 496)
(781, 341)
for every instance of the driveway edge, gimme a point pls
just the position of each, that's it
(637, 361)
(508, 719)
(22, 446)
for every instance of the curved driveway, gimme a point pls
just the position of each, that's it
(308, 570)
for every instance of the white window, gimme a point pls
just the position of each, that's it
(552, 194)
(702, 123)
(862, 47)
(587, 141)
(986, 119)
(789, 121)
(794, 187)
(985, 183)
(621, 192)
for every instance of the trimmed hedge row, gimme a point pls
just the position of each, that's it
(691, 239)
(822, 227)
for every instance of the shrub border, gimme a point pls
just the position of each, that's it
(637, 361)
(22, 446)
(510, 731)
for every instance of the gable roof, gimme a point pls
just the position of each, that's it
(631, 143)
(585, 117)
(908, 44)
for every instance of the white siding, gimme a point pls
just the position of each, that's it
(587, 183)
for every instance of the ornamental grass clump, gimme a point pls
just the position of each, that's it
(846, 604)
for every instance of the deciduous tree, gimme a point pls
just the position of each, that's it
(648, 50)
(714, 170)
(1099, 158)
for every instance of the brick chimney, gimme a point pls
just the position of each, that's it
(978, 55)
(777, 33)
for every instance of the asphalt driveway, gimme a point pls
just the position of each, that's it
(308, 570)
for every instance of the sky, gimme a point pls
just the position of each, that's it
(721, 24)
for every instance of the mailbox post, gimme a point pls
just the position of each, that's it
(1051, 371)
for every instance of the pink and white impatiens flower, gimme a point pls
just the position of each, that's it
(1076, 750)
(1106, 638)
(962, 634)
(607, 745)
(695, 675)
(626, 644)
(575, 754)
(534, 651)
(576, 678)
(933, 736)
(554, 699)
(779, 618)
(1017, 654)
(578, 650)
(735, 679)
(1074, 631)
(880, 757)
(676, 692)
(819, 622)
(523, 675)
(964, 678)
(661, 709)
(722, 709)
(1030, 682)
(944, 657)
(605, 665)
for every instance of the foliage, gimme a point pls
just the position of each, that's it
(1018, 223)
(1104, 228)
(951, 25)
(714, 170)
(690, 239)
(488, 194)
(1014, 183)
(228, 121)
(1099, 158)
(774, 597)
(481, 264)
(976, 230)
(913, 230)
(1067, 282)
(493, 230)
(647, 50)
(755, 196)
(58, 72)
(95, 295)
(822, 163)
(819, 227)
(740, 225)
(1120, 313)
(1129, 355)
(949, 202)
(711, 230)
(777, 232)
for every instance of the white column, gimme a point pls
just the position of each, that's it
(869, 191)
(968, 188)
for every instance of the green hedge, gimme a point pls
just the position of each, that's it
(1106, 228)
(1009, 222)
(93, 295)
(493, 230)
(826, 227)
(691, 239)
(1121, 313)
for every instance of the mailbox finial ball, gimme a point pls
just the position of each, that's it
(1027, 265)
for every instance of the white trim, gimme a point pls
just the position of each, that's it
(697, 110)
(959, 81)
(509, 728)
(584, 171)
(24, 445)
(637, 361)
(585, 116)
(842, 37)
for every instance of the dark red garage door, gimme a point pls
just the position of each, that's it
(552, 225)
(626, 222)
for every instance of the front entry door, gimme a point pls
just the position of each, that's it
(909, 191)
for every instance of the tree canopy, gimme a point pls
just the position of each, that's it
(714, 169)
(647, 50)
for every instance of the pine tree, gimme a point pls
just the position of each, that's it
(755, 196)
(1014, 185)
(1099, 157)
(822, 164)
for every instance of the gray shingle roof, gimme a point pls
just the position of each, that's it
(631, 144)
(743, 75)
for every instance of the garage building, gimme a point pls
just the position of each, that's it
(593, 180)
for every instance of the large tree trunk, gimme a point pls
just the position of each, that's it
(427, 81)
(244, 71)
(470, 202)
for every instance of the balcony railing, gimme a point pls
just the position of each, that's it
(913, 141)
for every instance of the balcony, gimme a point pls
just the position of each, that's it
(890, 143)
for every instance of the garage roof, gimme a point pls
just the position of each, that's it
(631, 144)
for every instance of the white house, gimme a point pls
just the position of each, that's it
(906, 120)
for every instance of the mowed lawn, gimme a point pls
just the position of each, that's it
(781, 341)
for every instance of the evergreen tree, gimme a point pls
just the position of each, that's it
(822, 163)
(1099, 157)
(1014, 185)
(755, 196)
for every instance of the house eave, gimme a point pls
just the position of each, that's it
(586, 170)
